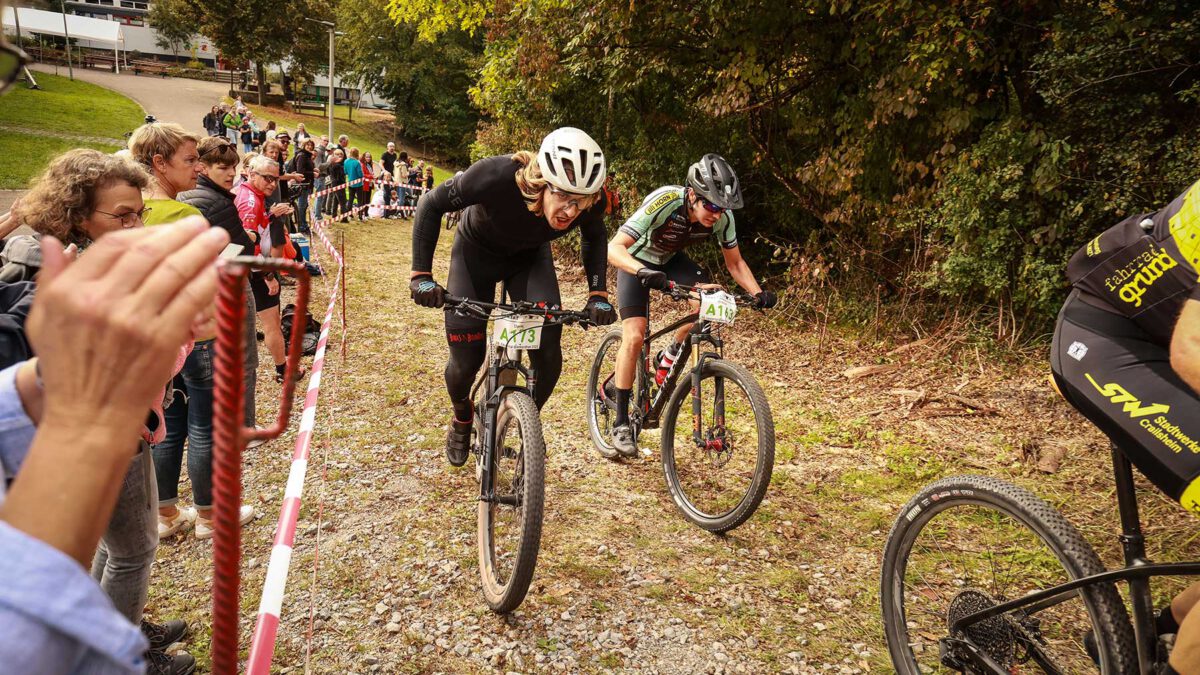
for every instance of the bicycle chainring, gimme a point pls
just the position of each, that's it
(995, 636)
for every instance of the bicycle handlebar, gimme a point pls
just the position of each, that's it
(682, 292)
(552, 315)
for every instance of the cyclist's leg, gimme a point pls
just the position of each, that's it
(1122, 381)
(634, 303)
(465, 335)
(536, 282)
(683, 270)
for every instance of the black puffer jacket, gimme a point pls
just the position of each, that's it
(216, 204)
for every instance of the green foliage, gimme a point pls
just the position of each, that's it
(173, 23)
(960, 150)
(427, 80)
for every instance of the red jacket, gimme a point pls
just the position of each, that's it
(252, 209)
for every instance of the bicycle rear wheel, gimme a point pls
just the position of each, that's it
(967, 543)
(510, 526)
(718, 482)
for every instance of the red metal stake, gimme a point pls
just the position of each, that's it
(230, 437)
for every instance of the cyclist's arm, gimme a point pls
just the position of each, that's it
(489, 178)
(739, 270)
(1185, 345)
(592, 250)
(619, 256)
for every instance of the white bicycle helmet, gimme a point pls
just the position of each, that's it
(571, 161)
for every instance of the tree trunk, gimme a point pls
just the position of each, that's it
(261, 73)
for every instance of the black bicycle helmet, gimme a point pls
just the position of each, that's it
(713, 179)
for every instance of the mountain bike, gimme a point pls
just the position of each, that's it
(509, 448)
(718, 471)
(982, 576)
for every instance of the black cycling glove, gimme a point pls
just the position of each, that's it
(653, 279)
(600, 311)
(426, 292)
(765, 300)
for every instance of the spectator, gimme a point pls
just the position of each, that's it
(344, 144)
(285, 141)
(251, 201)
(307, 168)
(212, 121)
(320, 157)
(123, 560)
(415, 173)
(190, 415)
(400, 175)
(170, 154)
(368, 169)
(388, 159)
(428, 179)
(270, 132)
(335, 201)
(354, 178)
(248, 135)
(244, 169)
(233, 124)
(81, 405)
(301, 133)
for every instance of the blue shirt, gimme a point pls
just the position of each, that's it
(354, 172)
(53, 616)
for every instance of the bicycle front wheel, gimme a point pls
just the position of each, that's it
(600, 410)
(967, 543)
(718, 460)
(510, 524)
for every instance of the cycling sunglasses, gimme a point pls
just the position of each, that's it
(12, 60)
(711, 207)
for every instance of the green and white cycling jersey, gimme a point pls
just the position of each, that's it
(660, 227)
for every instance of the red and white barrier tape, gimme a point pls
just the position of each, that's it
(266, 629)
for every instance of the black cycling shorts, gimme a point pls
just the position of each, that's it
(262, 298)
(1121, 379)
(634, 300)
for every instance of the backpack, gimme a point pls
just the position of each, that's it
(312, 329)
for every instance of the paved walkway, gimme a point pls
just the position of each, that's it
(169, 99)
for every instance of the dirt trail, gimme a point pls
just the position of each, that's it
(623, 582)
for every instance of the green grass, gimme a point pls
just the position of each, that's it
(63, 106)
(362, 134)
(23, 156)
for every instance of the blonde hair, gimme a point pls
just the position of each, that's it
(158, 139)
(532, 184)
(246, 161)
(64, 195)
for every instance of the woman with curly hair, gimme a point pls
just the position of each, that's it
(82, 196)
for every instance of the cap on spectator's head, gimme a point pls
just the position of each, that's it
(283, 134)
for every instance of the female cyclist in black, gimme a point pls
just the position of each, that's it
(513, 207)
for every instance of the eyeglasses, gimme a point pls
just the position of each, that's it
(711, 207)
(268, 177)
(129, 218)
(12, 59)
(579, 203)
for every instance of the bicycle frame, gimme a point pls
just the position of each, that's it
(650, 409)
(1137, 571)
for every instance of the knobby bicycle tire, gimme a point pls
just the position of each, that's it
(505, 595)
(764, 462)
(1102, 601)
(595, 378)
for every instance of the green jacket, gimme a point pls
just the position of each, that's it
(232, 121)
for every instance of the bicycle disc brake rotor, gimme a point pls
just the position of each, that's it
(994, 636)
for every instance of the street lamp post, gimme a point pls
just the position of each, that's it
(330, 26)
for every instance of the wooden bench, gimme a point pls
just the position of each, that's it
(309, 105)
(150, 67)
(104, 61)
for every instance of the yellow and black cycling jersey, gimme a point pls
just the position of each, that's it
(1144, 267)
